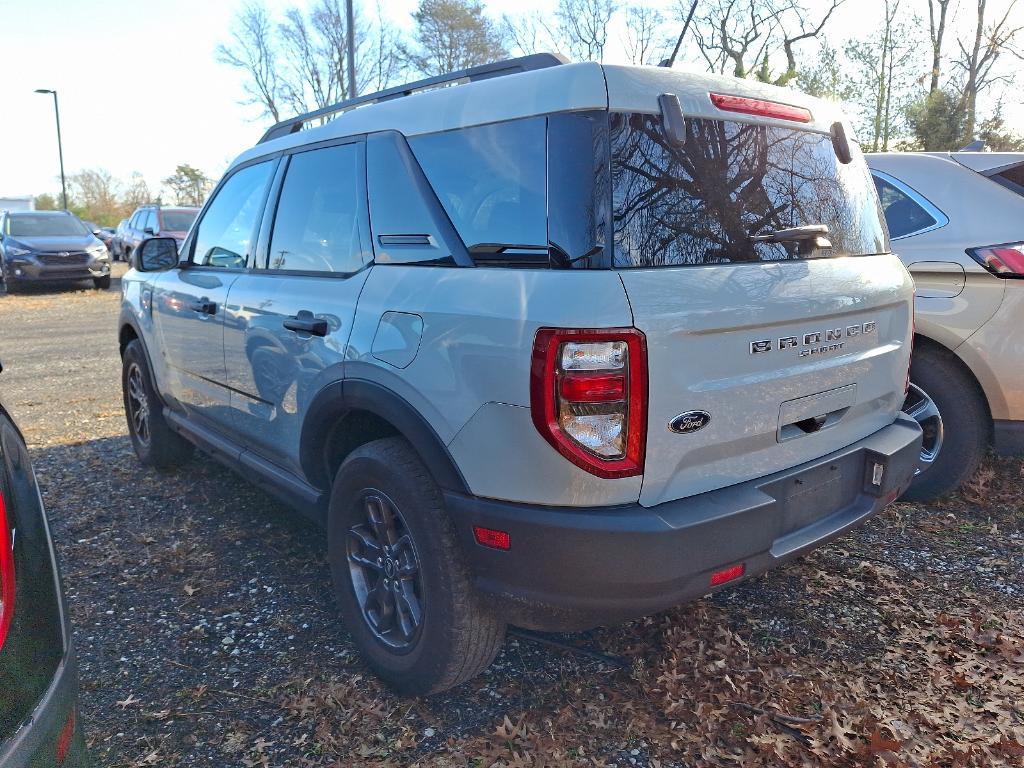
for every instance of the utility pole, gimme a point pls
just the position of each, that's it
(60, 146)
(350, 33)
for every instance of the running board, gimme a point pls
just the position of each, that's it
(278, 482)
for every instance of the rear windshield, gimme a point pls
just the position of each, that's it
(703, 201)
(45, 226)
(176, 221)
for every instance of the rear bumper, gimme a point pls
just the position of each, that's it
(571, 568)
(1008, 437)
(34, 745)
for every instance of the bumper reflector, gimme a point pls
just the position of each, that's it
(727, 574)
(489, 537)
(64, 739)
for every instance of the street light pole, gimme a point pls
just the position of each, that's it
(60, 147)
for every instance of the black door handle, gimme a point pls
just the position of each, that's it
(205, 306)
(304, 322)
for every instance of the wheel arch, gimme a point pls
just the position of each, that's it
(921, 341)
(349, 413)
(128, 332)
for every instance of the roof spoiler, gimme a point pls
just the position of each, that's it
(472, 74)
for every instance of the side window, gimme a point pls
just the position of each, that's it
(317, 223)
(136, 222)
(226, 233)
(491, 181)
(149, 220)
(903, 215)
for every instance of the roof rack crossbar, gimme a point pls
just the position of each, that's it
(481, 72)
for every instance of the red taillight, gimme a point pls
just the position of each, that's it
(1001, 260)
(588, 396)
(599, 388)
(491, 537)
(6, 573)
(727, 574)
(760, 107)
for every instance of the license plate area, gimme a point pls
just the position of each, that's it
(817, 492)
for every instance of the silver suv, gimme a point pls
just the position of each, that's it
(555, 345)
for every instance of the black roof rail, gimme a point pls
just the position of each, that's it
(481, 72)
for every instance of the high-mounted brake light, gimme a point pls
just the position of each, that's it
(588, 397)
(762, 107)
(1001, 260)
(6, 573)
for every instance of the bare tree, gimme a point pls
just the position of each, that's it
(528, 33)
(298, 64)
(136, 193)
(582, 26)
(938, 11)
(744, 37)
(252, 50)
(883, 66)
(452, 35)
(96, 192)
(644, 41)
(990, 41)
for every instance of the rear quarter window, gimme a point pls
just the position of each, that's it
(700, 203)
(1012, 178)
(490, 180)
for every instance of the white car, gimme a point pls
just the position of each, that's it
(956, 219)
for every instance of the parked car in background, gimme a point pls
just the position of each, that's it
(106, 236)
(39, 723)
(528, 354)
(116, 243)
(957, 221)
(42, 246)
(152, 220)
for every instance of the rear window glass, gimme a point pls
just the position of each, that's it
(1012, 178)
(703, 201)
(902, 214)
(177, 221)
(45, 226)
(490, 180)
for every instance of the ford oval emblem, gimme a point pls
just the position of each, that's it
(691, 421)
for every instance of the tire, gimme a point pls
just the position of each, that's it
(101, 283)
(155, 443)
(456, 637)
(965, 420)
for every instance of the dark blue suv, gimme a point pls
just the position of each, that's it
(40, 246)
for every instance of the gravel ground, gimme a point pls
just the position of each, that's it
(207, 634)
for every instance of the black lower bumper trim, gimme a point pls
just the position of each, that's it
(570, 568)
(1009, 437)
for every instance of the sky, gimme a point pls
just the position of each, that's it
(140, 89)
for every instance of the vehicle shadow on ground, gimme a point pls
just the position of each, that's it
(57, 288)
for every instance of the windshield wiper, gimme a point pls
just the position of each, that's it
(809, 238)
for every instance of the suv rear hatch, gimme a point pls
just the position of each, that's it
(795, 348)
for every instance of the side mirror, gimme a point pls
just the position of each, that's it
(148, 231)
(97, 232)
(156, 254)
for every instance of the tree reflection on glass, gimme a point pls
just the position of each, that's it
(700, 202)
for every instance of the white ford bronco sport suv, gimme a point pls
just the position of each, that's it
(544, 344)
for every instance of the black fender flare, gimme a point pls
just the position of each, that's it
(337, 399)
